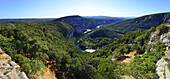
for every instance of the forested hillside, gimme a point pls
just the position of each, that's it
(144, 22)
(30, 21)
(80, 24)
(34, 46)
(94, 40)
(142, 66)
(98, 38)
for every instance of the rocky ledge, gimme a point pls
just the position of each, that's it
(162, 69)
(162, 66)
(9, 69)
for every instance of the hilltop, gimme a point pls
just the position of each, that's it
(80, 24)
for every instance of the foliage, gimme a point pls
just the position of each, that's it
(161, 29)
(122, 27)
(99, 38)
(108, 69)
(31, 45)
(80, 23)
(141, 67)
(144, 22)
(30, 21)
(63, 28)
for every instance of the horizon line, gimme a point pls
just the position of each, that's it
(51, 17)
(54, 17)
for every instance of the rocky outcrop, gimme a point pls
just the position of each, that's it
(9, 69)
(162, 69)
(164, 38)
(154, 38)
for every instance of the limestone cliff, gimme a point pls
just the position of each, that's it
(9, 69)
(162, 70)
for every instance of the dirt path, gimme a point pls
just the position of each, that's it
(49, 74)
(129, 57)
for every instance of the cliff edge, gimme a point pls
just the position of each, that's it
(162, 66)
(9, 69)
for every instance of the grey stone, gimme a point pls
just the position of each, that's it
(22, 75)
(162, 69)
(12, 63)
(164, 38)
(9, 69)
(154, 38)
(1, 75)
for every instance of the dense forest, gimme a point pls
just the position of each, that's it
(28, 44)
(113, 31)
(36, 46)
(80, 24)
(32, 45)
(31, 20)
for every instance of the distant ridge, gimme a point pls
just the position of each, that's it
(80, 24)
(115, 30)
(143, 22)
(108, 17)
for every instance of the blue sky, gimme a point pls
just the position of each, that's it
(59, 8)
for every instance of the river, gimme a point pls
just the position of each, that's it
(86, 50)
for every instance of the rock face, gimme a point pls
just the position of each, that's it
(164, 38)
(162, 68)
(154, 38)
(9, 69)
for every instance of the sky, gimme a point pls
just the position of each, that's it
(59, 8)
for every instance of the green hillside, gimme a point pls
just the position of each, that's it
(31, 21)
(28, 44)
(32, 45)
(80, 24)
(115, 30)
(36, 47)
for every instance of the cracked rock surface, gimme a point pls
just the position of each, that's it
(9, 69)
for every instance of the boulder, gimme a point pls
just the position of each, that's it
(164, 38)
(9, 69)
(162, 69)
(154, 38)
(22, 75)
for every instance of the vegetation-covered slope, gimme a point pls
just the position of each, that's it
(121, 27)
(99, 37)
(34, 47)
(80, 24)
(144, 22)
(141, 66)
(30, 21)
(65, 29)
